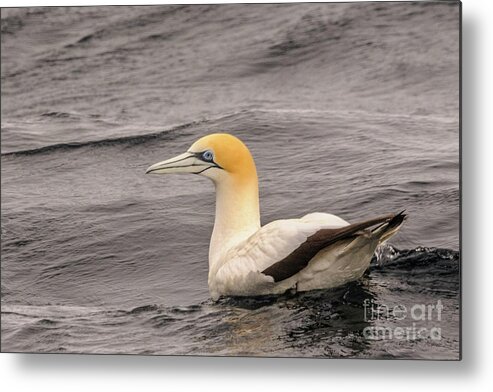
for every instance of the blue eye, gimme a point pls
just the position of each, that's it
(208, 156)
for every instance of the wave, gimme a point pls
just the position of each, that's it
(129, 140)
(293, 323)
(425, 262)
(132, 139)
(388, 255)
(280, 112)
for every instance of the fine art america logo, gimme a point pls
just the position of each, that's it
(420, 321)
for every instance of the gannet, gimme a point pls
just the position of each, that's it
(317, 251)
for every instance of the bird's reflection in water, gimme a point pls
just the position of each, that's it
(317, 323)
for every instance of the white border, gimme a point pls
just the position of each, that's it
(122, 373)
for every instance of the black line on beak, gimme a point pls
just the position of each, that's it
(203, 170)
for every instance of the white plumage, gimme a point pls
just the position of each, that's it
(239, 270)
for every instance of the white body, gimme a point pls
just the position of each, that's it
(240, 249)
(236, 270)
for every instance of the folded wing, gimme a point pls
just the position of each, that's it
(301, 256)
(283, 248)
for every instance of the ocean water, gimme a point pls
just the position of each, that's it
(351, 109)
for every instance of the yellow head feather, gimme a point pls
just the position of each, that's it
(230, 153)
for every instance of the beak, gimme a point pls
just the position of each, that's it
(184, 163)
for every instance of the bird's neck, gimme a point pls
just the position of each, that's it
(237, 216)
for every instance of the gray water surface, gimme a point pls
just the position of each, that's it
(350, 109)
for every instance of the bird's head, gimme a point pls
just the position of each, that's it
(218, 156)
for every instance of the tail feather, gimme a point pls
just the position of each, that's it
(388, 229)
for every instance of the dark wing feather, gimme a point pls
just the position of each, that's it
(300, 257)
